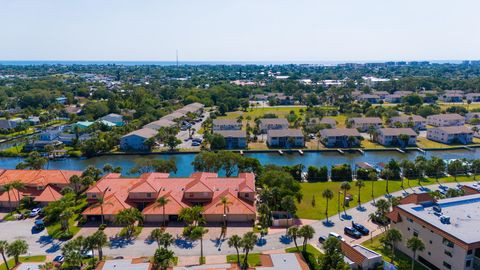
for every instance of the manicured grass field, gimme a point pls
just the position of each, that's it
(253, 259)
(26, 259)
(424, 143)
(310, 249)
(400, 257)
(307, 210)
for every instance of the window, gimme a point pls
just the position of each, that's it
(410, 220)
(415, 233)
(408, 229)
(469, 252)
(468, 263)
(447, 265)
(448, 253)
(94, 195)
(448, 243)
(429, 253)
(149, 195)
(430, 242)
(190, 195)
(247, 195)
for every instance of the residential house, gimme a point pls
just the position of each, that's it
(381, 94)
(340, 137)
(10, 123)
(226, 124)
(235, 139)
(416, 122)
(396, 136)
(33, 120)
(125, 264)
(44, 186)
(459, 92)
(205, 189)
(62, 100)
(369, 98)
(364, 123)
(84, 124)
(156, 125)
(267, 124)
(114, 118)
(135, 140)
(447, 227)
(285, 138)
(473, 97)
(451, 97)
(174, 116)
(445, 120)
(472, 117)
(451, 134)
(360, 257)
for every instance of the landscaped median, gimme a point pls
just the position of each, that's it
(26, 259)
(313, 204)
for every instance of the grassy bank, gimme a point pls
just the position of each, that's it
(309, 210)
(253, 259)
(26, 259)
(400, 257)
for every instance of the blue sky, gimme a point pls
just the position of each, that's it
(242, 30)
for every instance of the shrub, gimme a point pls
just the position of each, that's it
(341, 173)
(102, 227)
(315, 174)
(364, 174)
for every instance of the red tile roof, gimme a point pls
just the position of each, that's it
(234, 206)
(173, 206)
(49, 194)
(37, 177)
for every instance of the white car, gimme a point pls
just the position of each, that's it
(336, 235)
(35, 212)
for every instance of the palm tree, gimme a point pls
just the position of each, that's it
(390, 239)
(100, 240)
(65, 218)
(192, 216)
(235, 241)
(8, 188)
(17, 248)
(197, 233)
(162, 258)
(248, 243)
(359, 184)
(127, 218)
(225, 202)
(293, 233)
(345, 186)
(156, 235)
(328, 195)
(101, 203)
(3, 249)
(415, 244)
(307, 232)
(162, 202)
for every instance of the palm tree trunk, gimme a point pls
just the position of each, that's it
(163, 216)
(201, 250)
(413, 261)
(359, 199)
(100, 253)
(326, 211)
(238, 255)
(101, 210)
(5, 261)
(16, 260)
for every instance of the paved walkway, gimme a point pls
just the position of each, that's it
(41, 243)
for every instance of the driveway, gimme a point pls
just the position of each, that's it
(40, 243)
(183, 134)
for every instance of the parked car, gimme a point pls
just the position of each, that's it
(350, 231)
(195, 143)
(336, 235)
(360, 228)
(59, 259)
(322, 239)
(87, 254)
(39, 225)
(35, 212)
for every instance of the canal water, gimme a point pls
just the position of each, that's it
(185, 168)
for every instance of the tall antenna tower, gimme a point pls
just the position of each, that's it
(177, 57)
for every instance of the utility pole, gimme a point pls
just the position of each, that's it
(176, 53)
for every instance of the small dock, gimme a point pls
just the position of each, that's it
(361, 151)
(241, 152)
(280, 152)
(300, 152)
(469, 148)
(340, 151)
(400, 150)
(421, 150)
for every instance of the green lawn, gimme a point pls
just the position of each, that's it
(400, 257)
(253, 259)
(310, 249)
(310, 190)
(25, 259)
(55, 229)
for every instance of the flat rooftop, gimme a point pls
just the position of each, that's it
(283, 261)
(464, 214)
(124, 265)
(369, 254)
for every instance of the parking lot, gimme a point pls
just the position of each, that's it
(183, 135)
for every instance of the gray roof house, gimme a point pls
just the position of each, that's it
(340, 137)
(267, 124)
(445, 120)
(364, 123)
(114, 118)
(226, 124)
(415, 121)
(156, 125)
(135, 140)
(451, 134)
(285, 138)
(235, 139)
(393, 136)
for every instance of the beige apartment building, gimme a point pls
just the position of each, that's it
(449, 228)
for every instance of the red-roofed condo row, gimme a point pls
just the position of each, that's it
(43, 186)
(206, 189)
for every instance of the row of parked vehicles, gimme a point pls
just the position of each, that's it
(356, 231)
